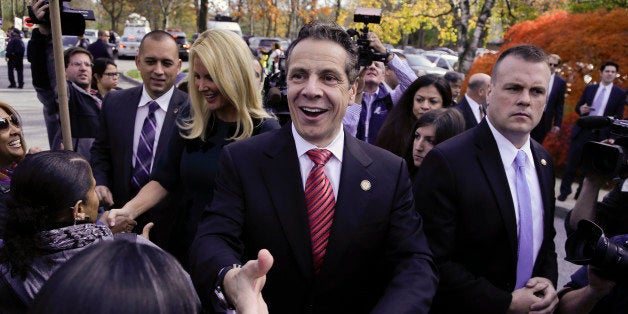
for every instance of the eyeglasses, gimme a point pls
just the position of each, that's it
(4, 122)
(111, 74)
(79, 63)
(554, 64)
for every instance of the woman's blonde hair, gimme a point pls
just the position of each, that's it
(228, 61)
(10, 110)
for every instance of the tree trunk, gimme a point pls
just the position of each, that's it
(201, 20)
(470, 46)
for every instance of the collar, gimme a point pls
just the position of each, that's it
(471, 102)
(335, 147)
(507, 150)
(162, 101)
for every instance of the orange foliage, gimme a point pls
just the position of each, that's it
(584, 42)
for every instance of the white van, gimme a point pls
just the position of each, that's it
(231, 26)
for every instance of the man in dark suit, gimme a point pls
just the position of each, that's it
(488, 203)
(101, 48)
(114, 152)
(553, 114)
(343, 233)
(473, 104)
(604, 99)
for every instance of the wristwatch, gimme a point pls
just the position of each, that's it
(219, 289)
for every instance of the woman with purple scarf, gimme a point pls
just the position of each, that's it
(52, 209)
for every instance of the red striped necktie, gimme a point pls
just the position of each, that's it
(320, 204)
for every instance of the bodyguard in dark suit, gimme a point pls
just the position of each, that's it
(360, 249)
(604, 99)
(114, 151)
(101, 48)
(553, 114)
(489, 220)
(473, 103)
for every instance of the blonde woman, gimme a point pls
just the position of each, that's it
(224, 107)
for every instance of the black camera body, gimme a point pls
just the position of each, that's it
(72, 20)
(606, 160)
(275, 93)
(589, 246)
(366, 54)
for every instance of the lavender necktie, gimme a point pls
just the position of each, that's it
(144, 155)
(597, 103)
(525, 259)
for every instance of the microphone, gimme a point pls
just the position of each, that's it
(595, 122)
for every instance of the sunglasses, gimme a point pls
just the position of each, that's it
(554, 64)
(4, 122)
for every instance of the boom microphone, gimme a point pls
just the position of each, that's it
(594, 122)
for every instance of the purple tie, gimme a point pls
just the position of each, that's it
(320, 204)
(144, 156)
(525, 259)
(597, 102)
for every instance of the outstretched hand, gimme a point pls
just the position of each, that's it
(243, 286)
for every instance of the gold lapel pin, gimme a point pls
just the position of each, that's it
(365, 185)
(176, 110)
(543, 162)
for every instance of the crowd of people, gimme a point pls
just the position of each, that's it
(404, 198)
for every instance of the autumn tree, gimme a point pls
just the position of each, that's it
(582, 41)
(114, 9)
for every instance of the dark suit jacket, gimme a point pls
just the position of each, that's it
(614, 108)
(553, 114)
(377, 257)
(112, 152)
(467, 113)
(462, 193)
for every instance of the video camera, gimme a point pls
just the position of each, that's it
(366, 54)
(275, 93)
(72, 20)
(607, 160)
(589, 246)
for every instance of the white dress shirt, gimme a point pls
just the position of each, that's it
(508, 152)
(332, 167)
(142, 113)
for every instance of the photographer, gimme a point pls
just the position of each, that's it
(590, 291)
(377, 100)
(83, 105)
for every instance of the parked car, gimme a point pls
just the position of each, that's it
(442, 60)
(68, 41)
(421, 65)
(182, 42)
(91, 35)
(129, 46)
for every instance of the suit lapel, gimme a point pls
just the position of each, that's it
(126, 124)
(351, 203)
(167, 129)
(546, 182)
(281, 171)
(490, 161)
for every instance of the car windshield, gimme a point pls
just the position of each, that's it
(267, 42)
(417, 60)
(180, 40)
(69, 40)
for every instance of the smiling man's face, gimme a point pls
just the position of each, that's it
(318, 89)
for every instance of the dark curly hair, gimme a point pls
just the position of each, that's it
(44, 188)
